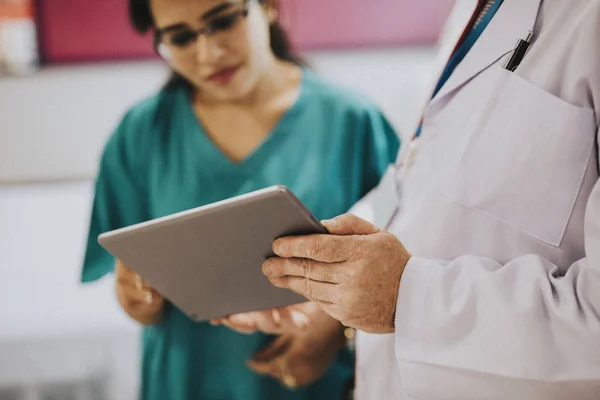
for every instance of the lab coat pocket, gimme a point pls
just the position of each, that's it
(525, 163)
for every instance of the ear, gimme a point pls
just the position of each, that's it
(271, 8)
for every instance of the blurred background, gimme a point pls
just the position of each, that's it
(68, 71)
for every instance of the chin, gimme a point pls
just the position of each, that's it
(231, 93)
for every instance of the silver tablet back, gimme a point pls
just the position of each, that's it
(207, 261)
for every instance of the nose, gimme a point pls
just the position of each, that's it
(208, 50)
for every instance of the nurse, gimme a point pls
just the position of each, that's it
(481, 280)
(240, 114)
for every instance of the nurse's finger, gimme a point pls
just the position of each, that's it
(243, 322)
(244, 328)
(126, 275)
(293, 320)
(312, 290)
(266, 361)
(285, 320)
(323, 248)
(278, 267)
(220, 321)
(268, 321)
(273, 350)
(134, 295)
(147, 309)
(133, 280)
(120, 267)
(349, 224)
(270, 368)
(264, 321)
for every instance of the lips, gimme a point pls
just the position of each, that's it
(224, 76)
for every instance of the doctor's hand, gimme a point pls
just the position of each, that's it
(353, 273)
(301, 357)
(136, 297)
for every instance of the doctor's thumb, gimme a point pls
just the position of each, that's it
(349, 224)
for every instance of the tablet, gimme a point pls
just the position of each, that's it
(208, 261)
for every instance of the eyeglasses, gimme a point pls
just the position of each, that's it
(169, 41)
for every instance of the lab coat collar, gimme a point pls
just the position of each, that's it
(511, 22)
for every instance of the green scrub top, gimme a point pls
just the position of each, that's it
(330, 148)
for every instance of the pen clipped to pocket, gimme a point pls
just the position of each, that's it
(519, 52)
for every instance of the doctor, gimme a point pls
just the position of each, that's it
(482, 279)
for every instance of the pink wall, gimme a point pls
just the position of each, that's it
(74, 30)
(361, 23)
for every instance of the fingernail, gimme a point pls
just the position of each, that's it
(303, 324)
(330, 222)
(149, 297)
(278, 247)
(300, 320)
(276, 317)
(267, 268)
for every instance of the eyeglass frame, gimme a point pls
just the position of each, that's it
(205, 30)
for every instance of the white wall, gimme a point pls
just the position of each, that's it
(44, 312)
(52, 329)
(54, 123)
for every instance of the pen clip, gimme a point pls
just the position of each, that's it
(519, 52)
(527, 39)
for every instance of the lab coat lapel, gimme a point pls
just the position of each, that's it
(512, 21)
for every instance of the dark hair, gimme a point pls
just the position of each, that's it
(141, 19)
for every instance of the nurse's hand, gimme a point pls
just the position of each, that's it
(136, 297)
(284, 320)
(303, 356)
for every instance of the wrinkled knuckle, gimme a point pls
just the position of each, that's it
(340, 248)
(391, 240)
(313, 248)
(278, 281)
(308, 288)
(306, 268)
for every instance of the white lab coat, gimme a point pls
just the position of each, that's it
(501, 211)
